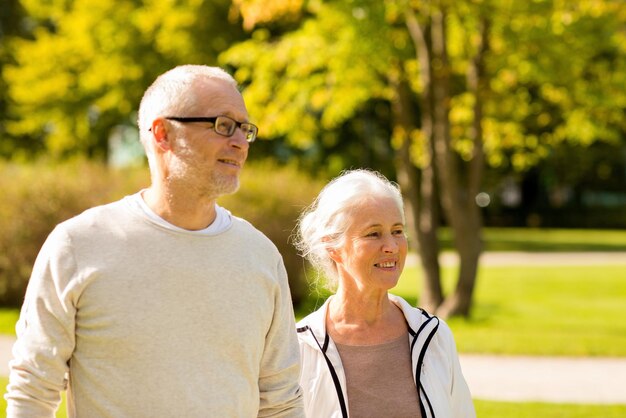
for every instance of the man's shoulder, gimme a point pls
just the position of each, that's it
(104, 214)
(244, 226)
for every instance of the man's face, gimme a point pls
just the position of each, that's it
(202, 159)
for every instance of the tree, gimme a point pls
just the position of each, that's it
(466, 86)
(11, 25)
(88, 62)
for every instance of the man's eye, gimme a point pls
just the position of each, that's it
(224, 125)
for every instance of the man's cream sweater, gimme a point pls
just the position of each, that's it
(150, 322)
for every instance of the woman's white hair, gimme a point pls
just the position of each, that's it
(172, 94)
(323, 224)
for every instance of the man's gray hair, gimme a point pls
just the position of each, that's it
(173, 93)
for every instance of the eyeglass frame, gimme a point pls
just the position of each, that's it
(193, 119)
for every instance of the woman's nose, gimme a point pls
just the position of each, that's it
(390, 245)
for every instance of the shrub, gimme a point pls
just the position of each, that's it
(38, 196)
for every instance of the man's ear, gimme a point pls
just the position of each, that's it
(160, 135)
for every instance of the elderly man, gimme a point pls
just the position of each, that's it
(163, 304)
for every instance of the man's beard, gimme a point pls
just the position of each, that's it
(219, 184)
(210, 184)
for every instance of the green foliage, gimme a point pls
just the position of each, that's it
(554, 72)
(89, 62)
(316, 86)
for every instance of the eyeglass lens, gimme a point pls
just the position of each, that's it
(227, 126)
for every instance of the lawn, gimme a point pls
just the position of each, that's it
(539, 310)
(8, 318)
(489, 409)
(535, 239)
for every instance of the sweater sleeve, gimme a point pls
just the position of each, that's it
(280, 394)
(45, 333)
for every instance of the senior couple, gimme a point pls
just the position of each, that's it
(163, 304)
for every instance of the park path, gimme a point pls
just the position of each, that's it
(585, 380)
(582, 380)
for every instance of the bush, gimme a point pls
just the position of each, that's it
(38, 196)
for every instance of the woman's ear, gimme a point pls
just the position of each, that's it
(334, 255)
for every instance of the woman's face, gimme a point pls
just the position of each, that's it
(375, 246)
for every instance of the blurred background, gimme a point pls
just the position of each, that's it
(503, 122)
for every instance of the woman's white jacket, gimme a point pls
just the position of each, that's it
(443, 392)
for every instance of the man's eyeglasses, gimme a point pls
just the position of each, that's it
(223, 125)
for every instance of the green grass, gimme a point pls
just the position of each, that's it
(539, 310)
(8, 318)
(536, 239)
(489, 409)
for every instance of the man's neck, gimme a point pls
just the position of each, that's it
(184, 211)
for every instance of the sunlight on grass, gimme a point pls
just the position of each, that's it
(8, 318)
(539, 310)
(535, 239)
(489, 409)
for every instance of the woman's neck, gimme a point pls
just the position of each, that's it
(357, 318)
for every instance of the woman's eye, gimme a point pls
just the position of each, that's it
(398, 232)
(372, 234)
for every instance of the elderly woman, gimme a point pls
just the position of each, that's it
(366, 353)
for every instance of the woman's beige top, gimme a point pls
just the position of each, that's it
(379, 380)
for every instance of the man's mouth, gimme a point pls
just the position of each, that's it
(229, 162)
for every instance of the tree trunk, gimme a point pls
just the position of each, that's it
(459, 199)
(428, 220)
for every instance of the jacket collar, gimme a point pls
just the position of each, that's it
(313, 326)
(316, 321)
